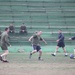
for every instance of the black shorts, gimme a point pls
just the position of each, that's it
(4, 47)
(61, 44)
(36, 47)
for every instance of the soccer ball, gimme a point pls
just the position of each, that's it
(21, 50)
(72, 56)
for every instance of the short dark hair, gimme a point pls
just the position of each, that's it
(6, 29)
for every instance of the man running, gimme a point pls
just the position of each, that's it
(4, 45)
(35, 39)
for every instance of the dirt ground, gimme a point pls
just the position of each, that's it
(20, 64)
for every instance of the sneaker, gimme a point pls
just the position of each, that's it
(53, 54)
(74, 57)
(39, 58)
(5, 61)
(30, 55)
(1, 58)
(66, 55)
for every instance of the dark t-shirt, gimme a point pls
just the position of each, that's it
(11, 27)
(23, 28)
(61, 37)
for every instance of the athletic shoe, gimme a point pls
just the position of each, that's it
(1, 58)
(74, 57)
(39, 58)
(53, 54)
(30, 55)
(5, 61)
(66, 55)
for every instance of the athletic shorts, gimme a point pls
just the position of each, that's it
(35, 47)
(4, 47)
(61, 44)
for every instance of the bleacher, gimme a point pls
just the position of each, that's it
(45, 15)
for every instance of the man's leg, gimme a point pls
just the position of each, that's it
(6, 52)
(65, 51)
(40, 54)
(34, 51)
(54, 54)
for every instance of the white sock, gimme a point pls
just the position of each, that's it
(66, 54)
(54, 53)
(1, 55)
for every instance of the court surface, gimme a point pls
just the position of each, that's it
(20, 64)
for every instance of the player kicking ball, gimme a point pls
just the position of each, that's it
(60, 43)
(35, 39)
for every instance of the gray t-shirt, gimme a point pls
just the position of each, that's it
(4, 38)
(36, 39)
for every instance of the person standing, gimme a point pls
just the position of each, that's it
(60, 43)
(35, 39)
(4, 45)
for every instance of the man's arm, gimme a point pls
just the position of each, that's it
(73, 38)
(43, 40)
(62, 36)
(7, 40)
(30, 38)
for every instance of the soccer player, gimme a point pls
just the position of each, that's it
(4, 45)
(60, 43)
(35, 39)
(73, 38)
